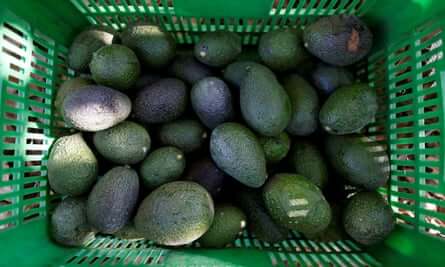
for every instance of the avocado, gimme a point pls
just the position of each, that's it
(328, 78)
(237, 152)
(85, 44)
(187, 135)
(359, 160)
(95, 108)
(205, 172)
(217, 49)
(296, 203)
(175, 213)
(113, 200)
(129, 232)
(306, 159)
(154, 48)
(260, 224)
(188, 69)
(367, 218)
(265, 105)
(212, 101)
(125, 143)
(161, 102)
(227, 224)
(69, 225)
(281, 49)
(236, 72)
(349, 109)
(72, 166)
(275, 148)
(305, 106)
(66, 88)
(163, 165)
(338, 40)
(115, 66)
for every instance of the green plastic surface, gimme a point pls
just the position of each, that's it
(406, 68)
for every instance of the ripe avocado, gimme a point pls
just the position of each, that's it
(154, 48)
(227, 224)
(281, 49)
(163, 165)
(95, 108)
(205, 172)
(349, 109)
(115, 66)
(338, 40)
(212, 101)
(237, 152)
(68, 87)
(296, 203)
(367, 218)
(265, 105)
(187, 135)
(305, 106)
(125, 143)
(217, 49)
(188, 69)
(175, 213)
(359, 160)
(259, 221)
(275, 148)
(161, 102)
(328, 78)
(69, 225)
(113, 200)
(145, 80)
(307, 160)
(85, 44)
(72, 166)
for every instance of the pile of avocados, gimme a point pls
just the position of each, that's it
(178, 144)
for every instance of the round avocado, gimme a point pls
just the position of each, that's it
(163, 101)
(113, 199)
(154, 48)
(281, 49)
(187, 135)
(175, 213)
(163, 165)
(367, 218)
(212, 101)
(69, 225)
(349, 109)
(217, 49)
(115, 66)
(125, 143)
(358, 160)
(72, 166)
(237, 152)
(338, 40)
(95, 108)
(227, 224)
(296, 203)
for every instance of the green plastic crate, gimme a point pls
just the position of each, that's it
(406, 68)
